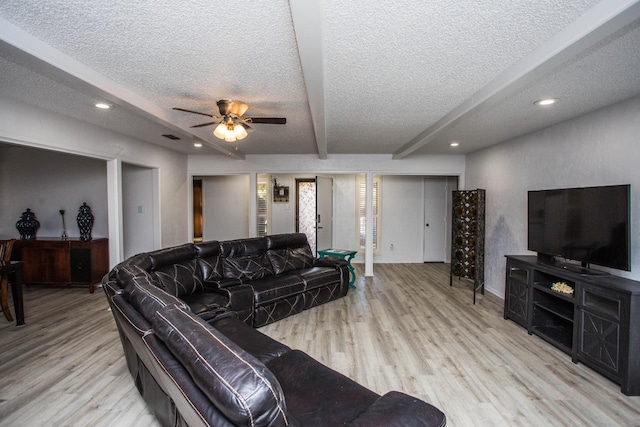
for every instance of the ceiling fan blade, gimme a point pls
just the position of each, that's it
(194, 112)
(204, 124)
(268, 120)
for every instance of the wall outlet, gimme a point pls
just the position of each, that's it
(391, 246)
(140, 209)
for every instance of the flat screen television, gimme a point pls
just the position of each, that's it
(590, 225)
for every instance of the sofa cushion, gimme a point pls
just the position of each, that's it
(289, 252)
(290, 240)
(317, 277)
(209, 259)
(141, 260)
(289, 259)
(273, 288)
(396, 409)
(181, 279)
(173, 255)
(243, 247)
(317, 395)
(177, 270)
(239, 385)
(142, 291)
(247, 268)
(254, 342)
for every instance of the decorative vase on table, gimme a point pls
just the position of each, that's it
(85, 221)
(28, 225)
(64, 227)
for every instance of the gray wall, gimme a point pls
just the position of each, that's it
(602, 148)
(45, 182)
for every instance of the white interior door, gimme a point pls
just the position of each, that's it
(139, 209)
(435, 218)
(324, 212)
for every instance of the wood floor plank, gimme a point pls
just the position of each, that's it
(405, 329)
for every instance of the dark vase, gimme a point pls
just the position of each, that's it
(28, 225)
(85, 221)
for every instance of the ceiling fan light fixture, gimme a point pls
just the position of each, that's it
(230, 131)
(240, 132)
(220, 131)
(233, 127)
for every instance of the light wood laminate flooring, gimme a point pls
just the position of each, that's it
(404, 329)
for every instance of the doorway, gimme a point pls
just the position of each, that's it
(197, 210)
(314, 211)
(437, 214)
(306, 209)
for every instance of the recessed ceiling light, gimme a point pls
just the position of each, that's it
(103, 105)
(197, 144)
(546, 101)
(454, 144)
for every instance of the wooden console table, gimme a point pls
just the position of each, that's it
(73, 262)
(344, 254)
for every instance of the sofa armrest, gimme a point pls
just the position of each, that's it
(330, 261)
(399, 409)
(240, 299)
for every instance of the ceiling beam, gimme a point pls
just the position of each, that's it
(49, 61)
(594, 26)
(307, 23)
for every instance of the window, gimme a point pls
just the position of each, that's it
(361, 208)
(263, 209)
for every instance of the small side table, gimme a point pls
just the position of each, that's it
(344, 254)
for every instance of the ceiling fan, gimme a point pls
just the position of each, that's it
(232, 127)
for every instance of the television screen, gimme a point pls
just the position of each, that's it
(590, 225)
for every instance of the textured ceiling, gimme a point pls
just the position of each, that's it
(374, 77)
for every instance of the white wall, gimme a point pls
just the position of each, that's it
(46, 182)
(402, 212)
(344, 213)
(602, 148)
(225, 207)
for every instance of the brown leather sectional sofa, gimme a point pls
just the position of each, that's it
(186, 318)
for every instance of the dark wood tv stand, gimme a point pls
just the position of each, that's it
(598, 325)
